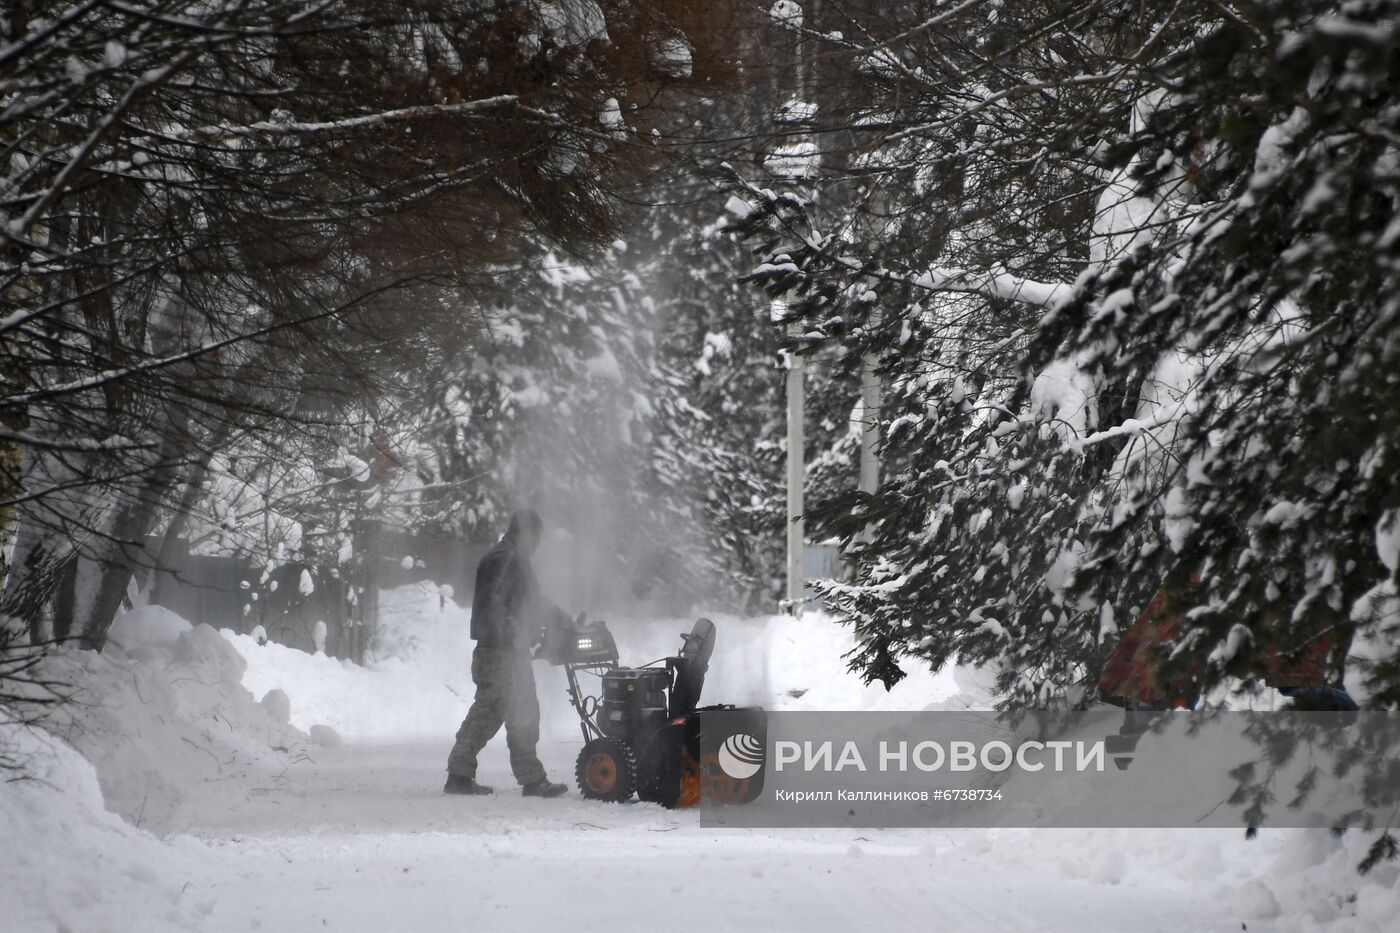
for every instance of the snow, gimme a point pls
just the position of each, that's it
(1271, 156)
(575, 22)
(325, 736)
(417, 684)
(265, 827)
(796, 110)
(604, 366)
(348, 465)
(793, 161)
(673, 57)
(278, 705)
(881, 63)
(1286, 514)
(739, 208)
(149, 627)
(786, 13)
(1064, 390)
(1016, 495)
(715, 346)
(1255, 901)
(1235, 639)
(159, 728)
(997, 282)
(1179, 519)
(1388, 540)
(1123, 219)
(611, 116)
(72, 866)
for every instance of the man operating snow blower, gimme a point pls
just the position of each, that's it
(507, 613)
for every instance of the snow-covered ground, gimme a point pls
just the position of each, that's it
(247, 824)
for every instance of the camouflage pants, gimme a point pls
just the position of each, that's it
(505, 694)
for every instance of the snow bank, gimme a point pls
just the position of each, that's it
(783, 663)
(158, 724)
(419, 683)
(146, 630)
(168, 723)
(70, 865)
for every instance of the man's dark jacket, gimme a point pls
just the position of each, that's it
(504, 595)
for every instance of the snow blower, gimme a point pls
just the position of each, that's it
(643, 729)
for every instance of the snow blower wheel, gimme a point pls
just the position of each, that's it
(605, 771)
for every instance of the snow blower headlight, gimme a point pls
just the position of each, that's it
(594, 642)
(564, 641)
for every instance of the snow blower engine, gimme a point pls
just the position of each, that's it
(643, 729)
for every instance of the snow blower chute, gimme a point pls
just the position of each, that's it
(643, 730)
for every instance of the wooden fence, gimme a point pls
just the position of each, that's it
(221, 590)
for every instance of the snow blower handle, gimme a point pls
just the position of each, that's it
(553, 636)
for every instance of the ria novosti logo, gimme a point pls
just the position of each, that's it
(741, 756)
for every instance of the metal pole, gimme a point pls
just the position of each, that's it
(797, 172)
(869, 479)
(796, 473)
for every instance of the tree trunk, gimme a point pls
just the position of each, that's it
(170, 551)
(102, 581)
(32, 580)
(121, 548)
(367, 587)
(65, 600)
(46, 538)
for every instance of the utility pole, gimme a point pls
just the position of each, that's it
(796, 474)
(869, 479)
(794, 163)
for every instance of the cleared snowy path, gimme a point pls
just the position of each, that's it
(362, 839)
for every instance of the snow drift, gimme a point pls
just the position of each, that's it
(165, 720)
(419, 681)
(71, 865)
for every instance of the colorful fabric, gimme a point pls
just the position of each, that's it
(1134, 672)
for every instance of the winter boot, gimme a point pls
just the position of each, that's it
(543, 788)
(456, 784)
